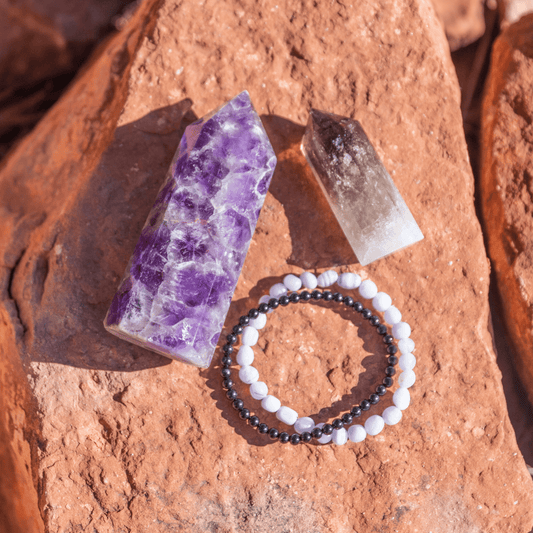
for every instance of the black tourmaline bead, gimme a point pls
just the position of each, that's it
(253, 313)
(226, 361)
(273, 433)
(294, 297)
(245, 414)
(337, 423)
(358, 306)
(317, 433)
(366, 313)
(295, 439)
(327, 429)
(316, 295)
(338, 297)
(365, 405)
(263, 428)
(388, 339)
(227, 383)
(263, 308)
(374, 320)
(392, 349)
(254, 421)
(327, 296)
(305, 296)
(347, 418)
(374, 399)
(237, 329)
(392, 359)
(390, 371)
(381, 389)
(382, 329)
(348, 301)
(237, 404)
(273, 303)
(225, 373)
(227, 348)
(306, 436)
(388, 381)
(244, 320)
(231, 338)
(284, 437)
(355, 411)
(231, 394)
(284, 300)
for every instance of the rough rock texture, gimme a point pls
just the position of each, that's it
(129, 442)
(507, 184)
(512, 11)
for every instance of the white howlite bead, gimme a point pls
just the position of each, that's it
(374, 424)
(248, 374)
(309, 280)
(270, 403)
(401, 330)
(259, 322)
(407, 361)
(406, 345)
(357, 433)
(392, 315)
(249, 336)
(304, 424)
(277, 290)
(339, 436)
(392, 415)
(368, 289)
(381, 302)
(286, 415)
(327, 278)
(264, 300)
(349, 280)
(407, 379)
(292, 282)
(258, 390)
(245, 356)
(325, 438)
(401, 398)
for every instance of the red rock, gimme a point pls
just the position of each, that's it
(512, 11)
(507, 189)
(132, 441)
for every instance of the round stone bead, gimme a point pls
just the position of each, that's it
(292, 282)
(295, 439)
(401, 330)
(325, 439)
(374, 425)
(357, 433)
(327, 278)
(406, 345)
(263, 428)
(273, 433)
(248, 374)
(368, 289)
(304, 424)
(270, 403)
(254, 421)
(381, 302)
(392, 315)
(284, 437)
(406, 379)
(407, 361)
(264, 300)
(286, 415)
(309, 280)
(277, 290)
(306, 436)
(249, 336)
(339, 436)
(401, 398)
(258, 390)
(392, 415)
(245, 356)
(349, 281)
(259, 322)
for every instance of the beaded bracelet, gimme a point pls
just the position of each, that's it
(323, 432)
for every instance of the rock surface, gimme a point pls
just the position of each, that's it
(512, 11)
(129, 441)
(507, 184)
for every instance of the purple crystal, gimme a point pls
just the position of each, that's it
(179, 282)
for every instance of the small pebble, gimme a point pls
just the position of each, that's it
(248, 374)
(406, 345)
(245, 356)
(349, 281)
(392, 315)
(286, 415)
(259, 322)
(270, 403)
(368, 289)
(407, 379)
(304, 424)
(277, 290)
(309, 280)
(381, 302)
(258, 390)
(401, 398)
(401, 330)
(327, 278)
(374, 425)
(249, 336)
(357, 433)
(407, 361)
(392, 415)
(292, 282)
(339, 436)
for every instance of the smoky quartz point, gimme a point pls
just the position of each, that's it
(360, 191)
